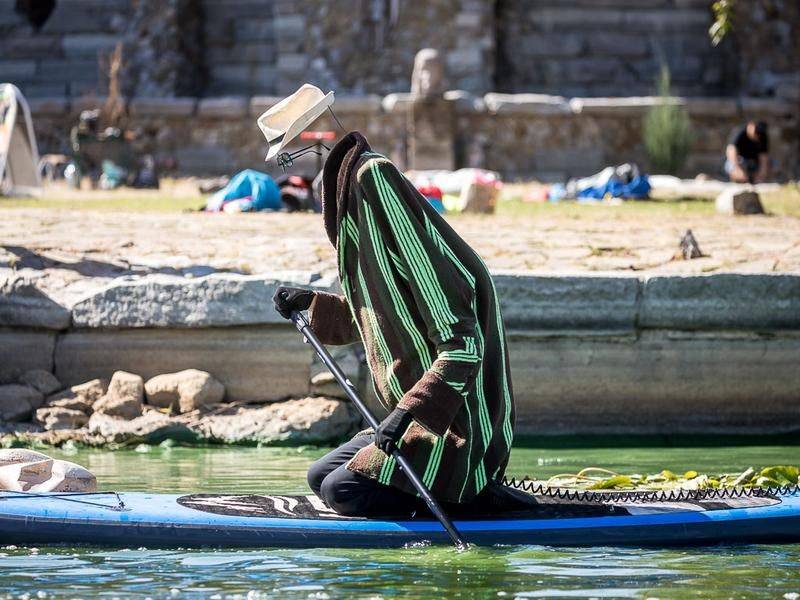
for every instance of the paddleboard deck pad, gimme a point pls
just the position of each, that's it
(560, 518)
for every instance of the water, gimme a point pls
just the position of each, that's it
(499, 572)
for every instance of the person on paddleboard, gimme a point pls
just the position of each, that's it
(424, 305)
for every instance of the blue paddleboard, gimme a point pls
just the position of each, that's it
(252, 520)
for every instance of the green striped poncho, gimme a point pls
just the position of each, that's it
(425, 306)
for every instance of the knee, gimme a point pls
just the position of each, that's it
(316, 475)
(341, 496)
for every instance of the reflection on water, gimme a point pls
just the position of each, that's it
(522, 572)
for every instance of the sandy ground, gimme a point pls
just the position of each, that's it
(70, 250)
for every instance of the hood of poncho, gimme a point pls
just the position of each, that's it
(336, 177)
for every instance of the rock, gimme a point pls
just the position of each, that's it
(478, 198)
(57, 417)
(184, 391)
(42, 380)
(23, 304)
(739, 202)
(152, 427)
(124, 396)
(217, 300)
(323, 382)
(80, 397)
(17, 402)
(22, 350)
(307, 421)
(28, 471)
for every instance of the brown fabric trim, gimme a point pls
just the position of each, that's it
(332, 320)
(336, 180)
(432, 402)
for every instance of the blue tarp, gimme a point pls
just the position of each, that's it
(260, 189)
(637, 188)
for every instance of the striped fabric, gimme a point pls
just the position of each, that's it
(425, 306)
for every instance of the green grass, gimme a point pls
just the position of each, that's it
(784, 202)
(123, 200)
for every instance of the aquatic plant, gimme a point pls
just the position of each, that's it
(595, 478)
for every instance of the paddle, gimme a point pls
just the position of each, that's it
(301, 323)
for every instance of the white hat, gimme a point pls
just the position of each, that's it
(289, 117)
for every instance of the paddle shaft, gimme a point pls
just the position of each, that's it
(302, 325)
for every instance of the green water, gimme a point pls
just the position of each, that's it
(498, 572)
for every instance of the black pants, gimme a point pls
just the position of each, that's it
(351, 494)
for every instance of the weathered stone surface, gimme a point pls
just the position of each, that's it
(567, 302)
(306, 421)
(80, 397)
(22, 304)
(322, 381)
(123, 398)
(724, 301)
(427, 78)
(57, 417)
(253, 363)
(28, 471)
(152, 427)
(526, 104)
(24, 350)
(739, 202)
(222, 108)
(167, 301)
(17, 402)
(634, 106)
(162, 107)
(656, 382)
(42, 380)
(184, 391)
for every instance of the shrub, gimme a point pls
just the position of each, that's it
(667, 131)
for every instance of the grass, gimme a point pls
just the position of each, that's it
(783, 202)
(177, 196)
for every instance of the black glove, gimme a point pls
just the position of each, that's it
(287, 299)
(392, 429)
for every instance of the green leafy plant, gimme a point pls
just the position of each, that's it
(723, 20)
(594, 478)
(667, 130)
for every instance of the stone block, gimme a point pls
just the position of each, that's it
(656, 383)
(14, 70)
(761, 108)
(89, 44)
(465, 102)
(54, 106)
(567, 302)
(399, 103)
(633, 106)
(253, 363)
(553, 45)
(17, 402)
(290, 25)
(292, 64)
(712, 107)
(24, 350)
(739, 202)
(162, 107)
(22, 304)
(218, 300)
(614, 44)
(722, 302)
(233, 107)
(526, 104)
(360, 105)
(70, 70)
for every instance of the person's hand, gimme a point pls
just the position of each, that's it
(392, 429)
(738, 174)
(287, 299)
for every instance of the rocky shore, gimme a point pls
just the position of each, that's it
(186, 407)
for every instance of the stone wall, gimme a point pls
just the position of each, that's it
(589, 354)
(590, 48)
(256, 47)
(520, 135)
(66, 57)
